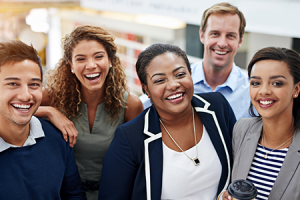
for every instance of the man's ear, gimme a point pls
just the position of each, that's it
(201, 35)
(240, 42)
(146, 90)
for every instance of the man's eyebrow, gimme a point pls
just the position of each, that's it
(17, 79)
(36, 79)
(12, 79)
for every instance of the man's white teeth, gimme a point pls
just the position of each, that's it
(21, 106)
(221, 52)
(265, 102)
(92, 75)
(175, 96)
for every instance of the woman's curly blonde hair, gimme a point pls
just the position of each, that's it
(63, 87)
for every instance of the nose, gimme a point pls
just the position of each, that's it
(24, 94)
(265, 89)
(173, 84)
(222, 42)
(91, 64)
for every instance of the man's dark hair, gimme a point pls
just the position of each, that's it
(16, 51)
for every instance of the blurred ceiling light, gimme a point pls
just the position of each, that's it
(152, 20)
(161, 21)
(38, 20)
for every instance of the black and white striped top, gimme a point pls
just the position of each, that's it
(263, 172)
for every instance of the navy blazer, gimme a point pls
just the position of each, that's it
(133, 164)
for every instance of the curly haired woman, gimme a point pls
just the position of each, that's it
(87, 93)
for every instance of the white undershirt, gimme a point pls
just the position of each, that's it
(182, 180)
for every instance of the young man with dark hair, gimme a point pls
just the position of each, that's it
(36, 163)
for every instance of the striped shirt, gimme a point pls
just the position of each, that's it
(263, 172)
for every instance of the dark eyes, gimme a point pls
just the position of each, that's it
(159, 80)
(99, 56)
(79, 59)
(254, 83)
(82, 58)
(35, 84)
(12, 84)
(278, 83)
(178, 75)
(181, 74)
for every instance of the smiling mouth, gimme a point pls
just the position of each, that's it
(22, 107)
(220, 52)
(175, 96)
(92, 76)
(266, 102)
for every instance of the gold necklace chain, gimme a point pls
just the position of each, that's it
(195, 160)
(267, 153)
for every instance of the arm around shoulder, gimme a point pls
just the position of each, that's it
(134, 107)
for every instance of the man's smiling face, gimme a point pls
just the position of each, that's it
(21, 91)
(221, 40)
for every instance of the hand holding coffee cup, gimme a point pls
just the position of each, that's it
(239, 190)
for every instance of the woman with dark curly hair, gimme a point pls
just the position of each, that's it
(88, 90)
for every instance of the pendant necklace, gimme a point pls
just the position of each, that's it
(195, 160)
(266, 156)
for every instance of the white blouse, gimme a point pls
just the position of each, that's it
(182, 180)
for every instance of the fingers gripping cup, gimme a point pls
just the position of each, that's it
(242, 190)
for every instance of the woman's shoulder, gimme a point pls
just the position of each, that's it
(212, 97)
(134, 107)
(245, 123)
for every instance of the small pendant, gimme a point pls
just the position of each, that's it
(196, 161)
(266, 156)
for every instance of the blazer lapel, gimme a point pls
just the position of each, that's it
(286, 173)
(211, 124)
(248, 149)
(153, 154)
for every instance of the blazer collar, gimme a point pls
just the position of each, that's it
(152, 127)
(290, 165)
(153, 145)
(249, 149)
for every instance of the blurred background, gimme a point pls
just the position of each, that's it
(138, 23)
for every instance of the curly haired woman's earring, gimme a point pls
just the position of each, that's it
(110, 66)
(72, 71)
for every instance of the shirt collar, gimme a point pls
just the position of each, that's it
(36, 131)
(198, 76)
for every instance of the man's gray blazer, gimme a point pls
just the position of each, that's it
(246, 134)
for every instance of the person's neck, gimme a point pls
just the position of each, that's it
(14, 134)
(215, 77)
(275, 131)
(178, 120)
(92, 98)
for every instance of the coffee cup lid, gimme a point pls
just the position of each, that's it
(242, 189)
